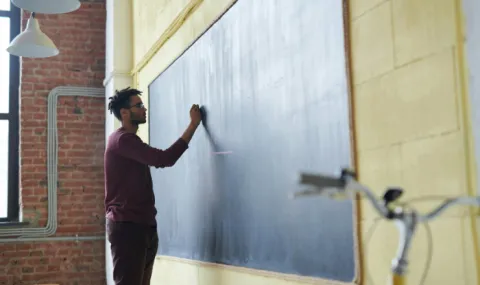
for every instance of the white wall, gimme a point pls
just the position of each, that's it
(119, 51)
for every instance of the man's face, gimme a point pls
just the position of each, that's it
(137, 113)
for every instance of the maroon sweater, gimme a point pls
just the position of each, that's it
(128, 184)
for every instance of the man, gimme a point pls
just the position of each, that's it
(129, 198)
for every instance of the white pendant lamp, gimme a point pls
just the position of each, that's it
(48, 6)
(33, 42)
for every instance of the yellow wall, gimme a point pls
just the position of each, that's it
(407, 64)
(409, 117)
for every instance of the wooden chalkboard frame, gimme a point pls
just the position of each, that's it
(358, 248)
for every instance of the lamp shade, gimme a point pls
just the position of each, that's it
(32, 42)
(48, 6)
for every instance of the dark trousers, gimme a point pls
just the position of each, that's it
(134, 247)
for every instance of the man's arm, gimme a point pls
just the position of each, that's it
(131, 146)
(188, 134)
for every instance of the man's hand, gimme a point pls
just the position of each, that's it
(195, 119)
(195, 115)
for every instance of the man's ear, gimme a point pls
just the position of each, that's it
(123, 112)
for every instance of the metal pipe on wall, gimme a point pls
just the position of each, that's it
(31, 234)
(48, 239)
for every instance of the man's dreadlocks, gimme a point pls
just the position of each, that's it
(121, 100)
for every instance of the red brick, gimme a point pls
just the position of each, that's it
(80, 37)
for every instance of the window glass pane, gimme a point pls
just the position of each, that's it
(5, 5)
(4, 169)
(4, 64)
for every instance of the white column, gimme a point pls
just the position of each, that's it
(119, 63)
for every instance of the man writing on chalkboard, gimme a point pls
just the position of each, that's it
(129, 198)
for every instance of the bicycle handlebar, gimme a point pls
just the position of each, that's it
(346, 183)
(473, 201)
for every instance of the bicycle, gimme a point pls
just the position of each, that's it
(406, 218)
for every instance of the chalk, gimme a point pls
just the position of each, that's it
(222, 152)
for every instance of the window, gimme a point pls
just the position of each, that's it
(9, 120)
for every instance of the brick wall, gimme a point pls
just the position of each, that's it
(80, 36)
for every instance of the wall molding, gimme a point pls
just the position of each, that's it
(112, 74)
(174, 26)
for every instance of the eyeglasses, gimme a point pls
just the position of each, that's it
(138, 105)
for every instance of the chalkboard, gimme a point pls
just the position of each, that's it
(271, 76)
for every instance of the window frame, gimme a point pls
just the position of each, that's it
(13, 207)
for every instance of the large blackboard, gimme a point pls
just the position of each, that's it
(272, 77)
